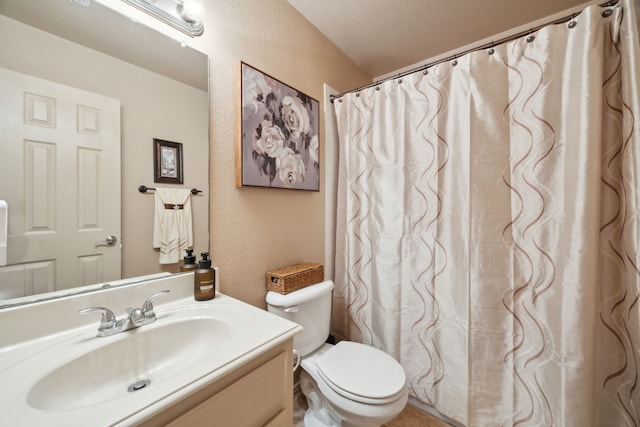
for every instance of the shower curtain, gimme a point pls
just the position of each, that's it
(488, 227)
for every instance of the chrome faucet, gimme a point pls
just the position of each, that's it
(136, 317)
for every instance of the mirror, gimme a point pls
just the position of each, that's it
(162, 90)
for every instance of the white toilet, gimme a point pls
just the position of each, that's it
(347, 384)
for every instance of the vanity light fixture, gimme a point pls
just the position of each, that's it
(183, 15)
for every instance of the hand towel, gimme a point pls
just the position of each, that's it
(4, 224)
(172, 225)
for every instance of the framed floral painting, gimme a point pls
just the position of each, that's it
(278, 136)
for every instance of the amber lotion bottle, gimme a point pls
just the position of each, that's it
(189, 263)
(204, 280)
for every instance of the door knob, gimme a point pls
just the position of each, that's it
(109, 241)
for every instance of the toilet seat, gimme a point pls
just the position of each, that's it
(361, 373)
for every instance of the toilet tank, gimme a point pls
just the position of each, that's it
(309, 307)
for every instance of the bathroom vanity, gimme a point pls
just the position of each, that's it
(220, 361)
(256, 394)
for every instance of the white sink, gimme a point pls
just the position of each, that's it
(56, 372)
(139, 358)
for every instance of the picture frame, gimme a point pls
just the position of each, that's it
(167, 161)
(277, 142)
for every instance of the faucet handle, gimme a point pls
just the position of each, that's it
(147, 306)
(136, 316)
(108, 320)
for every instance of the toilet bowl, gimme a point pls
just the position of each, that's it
(357, 385)
(347, 384)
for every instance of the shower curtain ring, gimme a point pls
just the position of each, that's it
(531, 36)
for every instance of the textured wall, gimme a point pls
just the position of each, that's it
(254, 230)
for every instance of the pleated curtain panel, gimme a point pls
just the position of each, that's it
(488, 226)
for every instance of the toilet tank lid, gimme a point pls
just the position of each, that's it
(300, 296)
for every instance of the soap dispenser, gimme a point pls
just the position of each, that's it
(189, 261)
(204, 280)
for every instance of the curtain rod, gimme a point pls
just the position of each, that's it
(474, 49)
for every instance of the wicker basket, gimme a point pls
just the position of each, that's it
(294, 277)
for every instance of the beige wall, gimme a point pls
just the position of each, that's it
(153, 106)
(254, 230)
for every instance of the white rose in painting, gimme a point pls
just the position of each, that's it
(313, 149)
(290, 167)
(254, 89)
(271, 141)
(255, 137)
(295, 116)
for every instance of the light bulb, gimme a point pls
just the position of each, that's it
(192, 10)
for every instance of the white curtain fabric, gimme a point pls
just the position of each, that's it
(489, 227)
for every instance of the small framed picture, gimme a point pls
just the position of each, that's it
(167, 161)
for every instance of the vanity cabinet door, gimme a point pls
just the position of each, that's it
(257, 399)
(279, 420)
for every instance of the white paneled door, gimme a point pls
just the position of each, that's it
(60, 174)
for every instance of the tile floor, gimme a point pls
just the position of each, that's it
(409, 417)
(414, 417)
